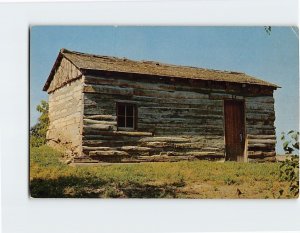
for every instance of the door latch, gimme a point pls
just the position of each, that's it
(241, 137)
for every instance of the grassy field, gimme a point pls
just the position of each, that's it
(49, 177)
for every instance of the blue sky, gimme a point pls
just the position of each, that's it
(251, 50)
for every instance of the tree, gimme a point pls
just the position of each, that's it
(38, 131)
(290, 141)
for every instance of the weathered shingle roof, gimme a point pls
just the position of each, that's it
(92, 62)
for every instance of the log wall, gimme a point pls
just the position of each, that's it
(65, 115)
(175, 122)
(261, 139)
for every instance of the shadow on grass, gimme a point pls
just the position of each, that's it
(93, 187)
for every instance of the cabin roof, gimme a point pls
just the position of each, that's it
(90, 62)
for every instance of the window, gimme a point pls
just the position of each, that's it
(126, 116)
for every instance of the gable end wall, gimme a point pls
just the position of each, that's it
(66, 109)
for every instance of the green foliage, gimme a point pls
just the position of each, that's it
(38, 131)
(268, 29)
(290, 141)
(289, 171)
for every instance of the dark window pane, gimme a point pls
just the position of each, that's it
(129, 110)
(121, 121)
(121, 109)
(129, 122)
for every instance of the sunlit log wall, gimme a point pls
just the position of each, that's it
(66, 109)
(177, 119)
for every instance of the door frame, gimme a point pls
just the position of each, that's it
(244, 121)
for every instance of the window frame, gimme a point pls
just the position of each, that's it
(134, 116)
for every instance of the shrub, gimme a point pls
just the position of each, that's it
(38, 131)
(289, 171)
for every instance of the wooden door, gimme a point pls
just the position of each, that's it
(234, 130)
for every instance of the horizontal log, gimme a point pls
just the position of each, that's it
(272, 137)
(156, 158)
(93, 143)
(260, 131)
(187, 131)
(133, 133)
(110, 137)
(221, 96)
(202, 145)
(259, 117)
(107, 90)
(101, 117)
(259, 100)
(168, 115)
(259, 106)
(108, 143)
(108, 153)
(157, 144)
(261, 123)
(261, 141)
(91, 110)
(261, 146)
(135, 148)
(182, 128)
(164, 139)
(187, 101)
(193, 153)
(119, 133)
(170, 94)
(87, 128)
(98, 122)
(259, 154)
(174, 120)
(98, 148)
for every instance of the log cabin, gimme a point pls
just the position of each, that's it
(115, 110)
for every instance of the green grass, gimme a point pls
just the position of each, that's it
(200, 179)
